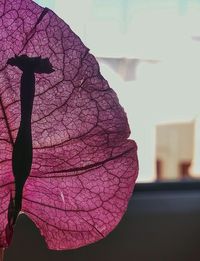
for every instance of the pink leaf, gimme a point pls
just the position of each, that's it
(84, 167)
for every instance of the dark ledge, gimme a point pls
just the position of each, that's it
(159, 186)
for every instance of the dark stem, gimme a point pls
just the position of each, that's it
(1, 254)
(22, 150)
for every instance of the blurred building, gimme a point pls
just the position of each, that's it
(175, 144)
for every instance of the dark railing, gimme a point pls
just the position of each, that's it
(183, 185)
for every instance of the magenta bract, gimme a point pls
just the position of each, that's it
(84, 167)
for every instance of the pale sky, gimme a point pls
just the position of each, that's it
(167, 90)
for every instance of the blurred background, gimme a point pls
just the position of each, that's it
(149, 51)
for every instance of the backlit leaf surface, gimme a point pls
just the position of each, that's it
(84, 167)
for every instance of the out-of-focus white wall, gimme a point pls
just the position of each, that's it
(164, 38)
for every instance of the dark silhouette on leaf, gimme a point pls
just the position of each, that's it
(65, 157)
(22, 149)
